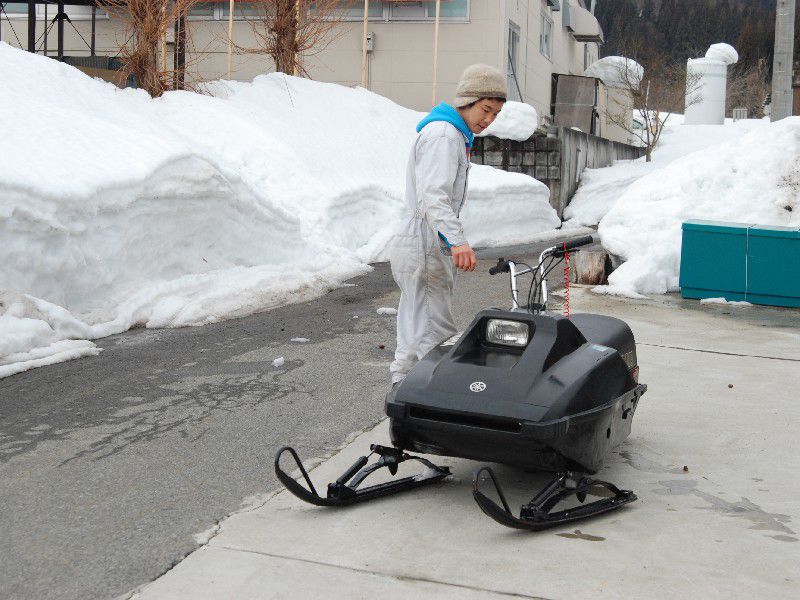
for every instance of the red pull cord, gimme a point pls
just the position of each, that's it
(566, 281)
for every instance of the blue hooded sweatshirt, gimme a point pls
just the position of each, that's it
(445, 112)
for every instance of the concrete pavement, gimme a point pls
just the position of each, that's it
(722, 402)
(112, 466)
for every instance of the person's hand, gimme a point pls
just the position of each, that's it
(464, 257)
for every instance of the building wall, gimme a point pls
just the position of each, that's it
(401, 66)
(556, 159)
(619, 103)
(14, 31)
(567, 56)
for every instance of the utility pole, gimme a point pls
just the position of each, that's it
(783, 61)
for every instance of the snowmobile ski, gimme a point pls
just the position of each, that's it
(536, 515)
(345, 490)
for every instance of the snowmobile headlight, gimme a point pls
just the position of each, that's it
(507, 333)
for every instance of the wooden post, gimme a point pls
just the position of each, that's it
(297, 4)
(180, 44)
(32, 26)
(436, 50)
(94, 29)
(175, 57)
(364, 46)
(230, 39)
(61, 15)
(164, 38)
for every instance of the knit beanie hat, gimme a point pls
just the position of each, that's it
(480, 81)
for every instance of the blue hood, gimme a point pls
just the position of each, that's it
(445, 112)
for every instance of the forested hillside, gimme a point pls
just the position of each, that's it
(656, 31)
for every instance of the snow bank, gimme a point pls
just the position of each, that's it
(601, 188)
(117, 210)
(516, 121)
(754, 178)
(30, 338)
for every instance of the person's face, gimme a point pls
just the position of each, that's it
(481, 114)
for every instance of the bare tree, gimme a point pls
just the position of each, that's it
(654, 94)
(748, 87)
(288, 31)
(146, 24)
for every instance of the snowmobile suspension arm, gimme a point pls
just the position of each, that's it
(536, 514)
(345, 490)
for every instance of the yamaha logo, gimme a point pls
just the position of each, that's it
(477, 386)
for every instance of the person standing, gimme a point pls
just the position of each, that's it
(430, 245)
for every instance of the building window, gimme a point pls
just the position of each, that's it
(221, 10)
(546, 36)
(242, 10)
(512, 62)
(353, 10)
(16, 8)
(19, 10)
(380, 10)
(202, 9)
(409, 10)
(451, 9)
(585, 56)
(424, 11)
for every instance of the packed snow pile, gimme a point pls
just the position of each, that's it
(601, 188)
(754, 178)
(616, 71)
(516, 121)
(725, 301)
(724, 53)
(117, 210)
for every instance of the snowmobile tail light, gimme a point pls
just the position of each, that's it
(507, 333)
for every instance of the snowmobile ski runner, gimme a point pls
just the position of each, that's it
(537, 514)
(345, 490)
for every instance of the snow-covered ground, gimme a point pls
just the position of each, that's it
(748, 171)
(117, 210)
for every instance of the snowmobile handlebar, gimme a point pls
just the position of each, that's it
(502, 266)
(572, 244)
(539, 283)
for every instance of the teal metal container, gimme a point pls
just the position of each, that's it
(739, 261)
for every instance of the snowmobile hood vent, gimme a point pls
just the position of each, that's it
(481, 421)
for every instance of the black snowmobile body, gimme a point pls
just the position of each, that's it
(558, 404)
(522, 387)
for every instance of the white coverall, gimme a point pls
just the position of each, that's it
(422, 265)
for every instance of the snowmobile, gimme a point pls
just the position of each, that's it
(524, 387)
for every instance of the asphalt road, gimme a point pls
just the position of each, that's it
(111, 465)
